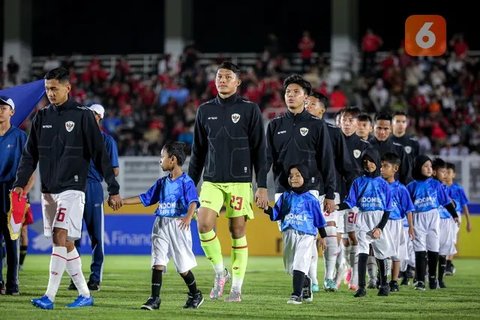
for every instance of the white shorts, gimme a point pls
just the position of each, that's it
(332, 216)
(457, 226)
(366, 222)
(396, 239)
(426, 225)
(350, 219)
(410, 252)
(297, 250)
(64, 211)
(169, 241)
(447, 237)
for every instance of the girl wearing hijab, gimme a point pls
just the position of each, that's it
(371, 194)
(427, 195)
(300, 217)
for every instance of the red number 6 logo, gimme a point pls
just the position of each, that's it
(61, 214)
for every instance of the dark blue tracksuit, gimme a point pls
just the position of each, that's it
(11, 146)
(93, 213)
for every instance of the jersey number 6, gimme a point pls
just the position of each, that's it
(61, 214)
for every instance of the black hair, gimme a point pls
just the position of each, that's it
(176, 149)
(230, 66)
(338, 114)
(297, 79)
(451, 165)
(321, 97)
(391, 158)
(383, 116)
(439, 163)
(400, 113)
(364, 117)
(61, 74)
(353, 111)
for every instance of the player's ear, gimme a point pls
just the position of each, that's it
(396, 167)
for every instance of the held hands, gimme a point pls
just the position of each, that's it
(329, 205)
(185, 223)
(376, 233)
(115, 201)
(411, 233)
(321, 243)
(261, 198)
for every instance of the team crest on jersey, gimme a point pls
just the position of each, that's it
(69, 125)
(408, 149)
(235, 117)
(303, 131)
(357, 153)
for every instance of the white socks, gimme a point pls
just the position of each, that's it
(313, 270)
(58, 261)
(74, 269)
(372, 268)
(219, 269)
(331, 251)
(354, 264)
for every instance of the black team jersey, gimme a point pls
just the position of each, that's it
(355, 146)
(301, 138)
(344, 163)
(410, 145)
(229, 138)
(62, 141)
(404, 174)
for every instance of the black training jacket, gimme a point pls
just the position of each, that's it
(62, 140)
(301, 138)
(229, 138)
(404, 173)
(345, 171)
(355, 146)
(410, 145)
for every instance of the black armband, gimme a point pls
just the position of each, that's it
(383, 222)
(269, 211)
(322, 232)
(451, 209)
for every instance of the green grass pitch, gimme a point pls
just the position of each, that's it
(126, 285)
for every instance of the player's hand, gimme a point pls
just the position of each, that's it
(469, 226)
(329, 205)
(115, 201)
(376, 233)
(185, 223)
(411, 233)
(19, 191)
(457, 221)
(321, 243)
(261, 198)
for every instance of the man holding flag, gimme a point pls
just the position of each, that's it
(12, 141)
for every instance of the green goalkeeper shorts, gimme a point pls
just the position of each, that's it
(236, 196)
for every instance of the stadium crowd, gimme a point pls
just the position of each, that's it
(440, 94)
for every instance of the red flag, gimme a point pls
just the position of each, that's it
(16, 215)
(28, 215)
